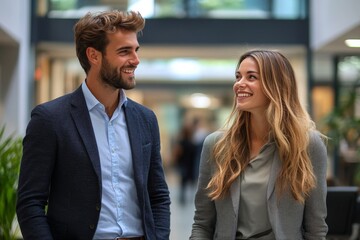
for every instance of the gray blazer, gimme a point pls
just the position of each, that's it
(289, 219)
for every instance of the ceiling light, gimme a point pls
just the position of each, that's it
(352, 42)
(200, 100)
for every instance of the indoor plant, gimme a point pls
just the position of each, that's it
(342, 126)
(10, 157)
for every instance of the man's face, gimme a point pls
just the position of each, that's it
(120, 60)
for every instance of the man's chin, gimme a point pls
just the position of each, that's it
(129, 86)
(131, 83)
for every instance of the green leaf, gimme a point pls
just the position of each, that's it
(10, 157)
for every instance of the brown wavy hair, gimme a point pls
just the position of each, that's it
(289, 124)
(92, 29)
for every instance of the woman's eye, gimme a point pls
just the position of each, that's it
(252, 77)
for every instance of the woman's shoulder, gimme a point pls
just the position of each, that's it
(317, 143)
(213, 137)
(316, 137)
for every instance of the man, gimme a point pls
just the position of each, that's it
(93, 156)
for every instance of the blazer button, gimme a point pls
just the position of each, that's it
(91, 226)
(97, 208)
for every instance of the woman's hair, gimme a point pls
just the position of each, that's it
(289, 125)
(92, 29)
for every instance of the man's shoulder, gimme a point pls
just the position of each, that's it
(138, 107)
(61, 103)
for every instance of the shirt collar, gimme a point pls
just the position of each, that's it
(91, 100)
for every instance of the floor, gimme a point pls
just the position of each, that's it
(181, 214)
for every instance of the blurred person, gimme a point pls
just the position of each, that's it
(184, 154)
(199, 134)
(263, 176)
(91, 166)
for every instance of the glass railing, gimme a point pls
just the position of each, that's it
(242, 9)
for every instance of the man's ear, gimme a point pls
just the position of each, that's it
(93, 55)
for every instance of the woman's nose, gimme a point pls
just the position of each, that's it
(240, 83)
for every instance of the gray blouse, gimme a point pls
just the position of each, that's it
(253, 220)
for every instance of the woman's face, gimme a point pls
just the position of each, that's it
(249, 93)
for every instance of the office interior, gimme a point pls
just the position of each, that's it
(189, 51)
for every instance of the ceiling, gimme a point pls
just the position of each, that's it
(6, 39)
(337, 45)
(178, 51)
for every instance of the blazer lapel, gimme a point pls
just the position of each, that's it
(134, 130)
(235, 194)
(80, 114)
(275, 168)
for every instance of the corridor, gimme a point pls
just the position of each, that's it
(181, 214)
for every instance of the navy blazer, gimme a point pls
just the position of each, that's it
(61, 168)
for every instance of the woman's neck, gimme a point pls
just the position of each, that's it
(259, 133)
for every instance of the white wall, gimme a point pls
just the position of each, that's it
(331, 18)
(14, 64)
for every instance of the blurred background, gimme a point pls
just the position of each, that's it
(189, 51)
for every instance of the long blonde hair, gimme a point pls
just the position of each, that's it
(289, 124)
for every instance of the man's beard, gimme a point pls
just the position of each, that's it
(112, 77)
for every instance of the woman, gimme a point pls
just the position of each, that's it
(264, 176)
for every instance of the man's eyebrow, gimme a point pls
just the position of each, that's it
(123, 48)
(127, 48)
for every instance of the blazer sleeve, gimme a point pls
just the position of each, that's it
(157, 186)
(38, 160)
(205, 211)
(315, 227)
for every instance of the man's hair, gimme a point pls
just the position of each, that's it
(92, 29)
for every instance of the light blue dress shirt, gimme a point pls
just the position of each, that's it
(120, 213)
